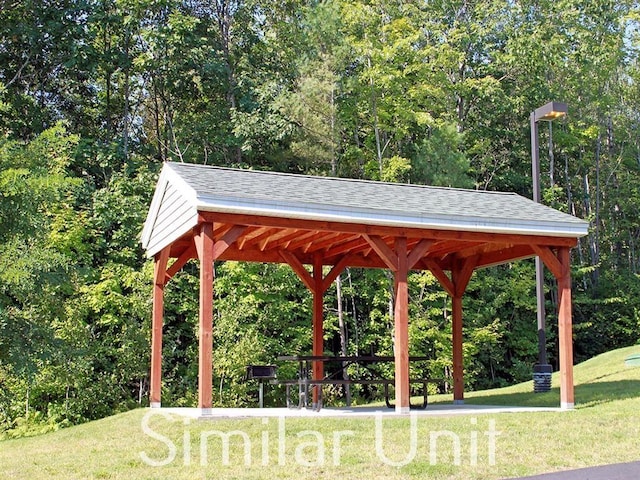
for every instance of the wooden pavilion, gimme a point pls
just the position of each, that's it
(209, 213)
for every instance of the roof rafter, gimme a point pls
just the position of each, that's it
(251, 233)
(274, 236)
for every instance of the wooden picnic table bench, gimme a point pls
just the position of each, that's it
(304, 382)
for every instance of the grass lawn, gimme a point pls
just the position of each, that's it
(604, 428)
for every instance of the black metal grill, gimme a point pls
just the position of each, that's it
(261, 372)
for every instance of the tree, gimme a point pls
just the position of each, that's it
(35, 274)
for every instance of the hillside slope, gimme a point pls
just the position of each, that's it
(604, 428)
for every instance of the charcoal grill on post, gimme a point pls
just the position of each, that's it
(261, 373)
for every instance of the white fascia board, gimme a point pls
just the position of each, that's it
(391, 219)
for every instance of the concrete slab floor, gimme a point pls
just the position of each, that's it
(332, 412)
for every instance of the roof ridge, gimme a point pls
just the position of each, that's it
(343, 179)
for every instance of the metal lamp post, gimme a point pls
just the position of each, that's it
(542, 370)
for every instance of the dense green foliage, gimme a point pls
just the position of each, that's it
(95, 95)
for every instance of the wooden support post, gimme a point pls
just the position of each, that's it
(565, 336)
(458, 369)
(401, 322)
(460, 275)
(317, 284)
(204, 245)
(157, 320)
(318, 323)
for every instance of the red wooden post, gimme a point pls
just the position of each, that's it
(401, 322)
(460, 275)
(565, 335)
(458, 369)
(317, 284)
(204, 244)
(157, 319)
(318, 322)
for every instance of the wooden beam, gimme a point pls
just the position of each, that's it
(227, 240)
(220, 229)
(278, 238)
(353, 246)
(386, 254)
(565, 331)
(333, 274)
(500, 257)
(419, 251)
(444, 247)
(357, 261)
(401, 328)
(441, 276)
(320, 238)
(157, 321)
(301, 240)
(324, 243)
(181, 261)
(549, 259)
(205, 247)
(357, 258)
(254, 255)
(297, 266)
(481, 249)
(250, 234)
(462, 275)
(381, 230)
(256, 237)
(181, 244)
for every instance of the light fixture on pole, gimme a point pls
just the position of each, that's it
(542, 370)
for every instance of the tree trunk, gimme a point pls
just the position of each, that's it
(374, 112)
(225, 19)
(156, 120)
(108, 73)
(596, 247)
(354, 313)
(334, 160)
(125, 130)
(343, 339)
(592, 238)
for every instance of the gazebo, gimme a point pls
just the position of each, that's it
(210, 213)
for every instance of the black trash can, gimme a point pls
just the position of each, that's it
(542, 378)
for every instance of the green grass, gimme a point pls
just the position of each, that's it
(604, 428)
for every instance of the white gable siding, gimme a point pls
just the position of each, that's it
(176, 216)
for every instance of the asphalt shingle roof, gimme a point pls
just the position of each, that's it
(301, 196)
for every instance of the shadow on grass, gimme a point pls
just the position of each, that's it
(591, 394)
(586, 395)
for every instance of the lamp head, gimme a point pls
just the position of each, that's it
(551, 111)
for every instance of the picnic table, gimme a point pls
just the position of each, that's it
(305, 382)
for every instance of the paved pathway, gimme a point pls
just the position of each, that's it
(619, 471)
